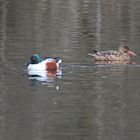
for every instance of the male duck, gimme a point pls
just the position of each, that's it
(123, 54)
(37, 63)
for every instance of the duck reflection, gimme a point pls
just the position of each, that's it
(114, 62)
(46, 77)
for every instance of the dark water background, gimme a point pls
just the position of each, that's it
(89, 101)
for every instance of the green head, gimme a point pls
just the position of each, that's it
(35, 59)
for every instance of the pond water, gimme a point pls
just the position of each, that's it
(87, 100)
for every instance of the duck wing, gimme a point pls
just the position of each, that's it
(57, 59)
(105, 55)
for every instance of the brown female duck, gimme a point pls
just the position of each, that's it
(123, 54)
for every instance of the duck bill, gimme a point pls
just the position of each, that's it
(131, 53)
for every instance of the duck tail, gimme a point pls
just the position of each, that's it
(94, 54)
(58, 59)
(94, 51)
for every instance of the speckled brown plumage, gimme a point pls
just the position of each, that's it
(123, 54)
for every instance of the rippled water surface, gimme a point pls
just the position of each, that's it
(87, 100)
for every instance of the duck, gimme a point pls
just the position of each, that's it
(122, 54)
(38, 63)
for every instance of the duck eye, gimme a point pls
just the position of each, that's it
(126, 50)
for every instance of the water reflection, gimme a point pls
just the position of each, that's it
(45, 77)
(98, 23)
(3, 26)
(114, 62)
(95, 100)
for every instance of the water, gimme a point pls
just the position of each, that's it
(88, 101)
